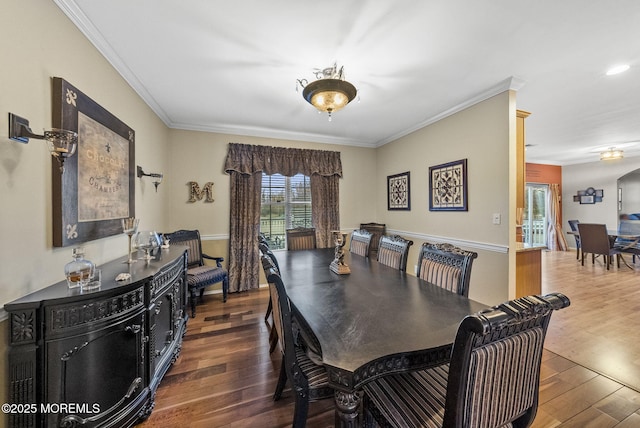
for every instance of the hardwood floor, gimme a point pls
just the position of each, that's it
(225, 376)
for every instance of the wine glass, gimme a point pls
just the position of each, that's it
(147, 241)
(130, 227)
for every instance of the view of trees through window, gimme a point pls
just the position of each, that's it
(285, 204)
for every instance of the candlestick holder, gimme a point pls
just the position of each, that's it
(338, 265)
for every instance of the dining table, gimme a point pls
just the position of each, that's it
(374, 321)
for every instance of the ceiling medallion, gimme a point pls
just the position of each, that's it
(330, 93)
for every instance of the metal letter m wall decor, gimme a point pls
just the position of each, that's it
(195, 194)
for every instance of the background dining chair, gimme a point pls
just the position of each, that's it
(393, 251)
(492, 380)
(301, 238)
(309, 381)
(378, 230)
(360, 242)
(199, 275)
(594, 239)
(573, 224)
(446, 266)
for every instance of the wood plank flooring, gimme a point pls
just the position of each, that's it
(225, 376)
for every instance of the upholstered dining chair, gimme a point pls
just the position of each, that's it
(573, 224)
(301, 238)
(309, 381)
(447, 266)
(491, 381)
(594, 239)
(360, 242)
(199, 275)
(393, 251)
(378, 230)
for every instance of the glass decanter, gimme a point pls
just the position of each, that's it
(79, 271)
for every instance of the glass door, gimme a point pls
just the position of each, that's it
(534, 222)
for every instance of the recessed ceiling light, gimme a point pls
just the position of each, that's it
(617, 69)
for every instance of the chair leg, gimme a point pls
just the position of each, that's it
(301, 409)
(282, 381)
(193, 302)
(225, 288)
(583, 258)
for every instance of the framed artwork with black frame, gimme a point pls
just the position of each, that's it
(448, 186)
(96, 189)
(398, 192)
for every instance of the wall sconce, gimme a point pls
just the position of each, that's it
(62, 143)
(155, 175)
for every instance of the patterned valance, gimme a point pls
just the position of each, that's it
(249, 159)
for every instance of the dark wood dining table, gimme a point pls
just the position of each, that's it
(374, 321)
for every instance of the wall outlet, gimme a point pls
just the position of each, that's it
(496, 218)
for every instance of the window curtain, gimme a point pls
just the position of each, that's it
(555, 239)
(245, 164)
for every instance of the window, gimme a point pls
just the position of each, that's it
(285, 204)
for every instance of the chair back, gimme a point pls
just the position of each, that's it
(594, 238)
(301, 238)
(190, 238)
(494, 373)
(360, 242)
(266, 252)
(446, 266)
(573, 224)
(393, 251)
(378, 230)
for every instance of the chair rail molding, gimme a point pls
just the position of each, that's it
(485, 246)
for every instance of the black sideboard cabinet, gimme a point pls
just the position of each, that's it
(95, 358)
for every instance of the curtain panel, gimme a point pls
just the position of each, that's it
(245, 164)
(555, 239)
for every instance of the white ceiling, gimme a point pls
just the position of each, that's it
(231, 67)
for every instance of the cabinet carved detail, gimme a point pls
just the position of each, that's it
(23, 327)
(63, 317)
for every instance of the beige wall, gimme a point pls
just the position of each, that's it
(480, 134)
(38, 42)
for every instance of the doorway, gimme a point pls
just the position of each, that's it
(534, 221)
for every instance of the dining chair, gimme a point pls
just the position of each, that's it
(573, 224)
(301, 238)
(446, 266)
(594, 239)
(309, 380)
(360, 242)
(266, 252)
(492, 379)
(393, 251)
(199, 275)
(378, 230)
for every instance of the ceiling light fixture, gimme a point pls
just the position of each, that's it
(330, 92)
(617, 69)
(62, 143)
(611, 154)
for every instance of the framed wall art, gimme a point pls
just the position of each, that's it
(398, 192)
(448, 186)
(96, 189)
